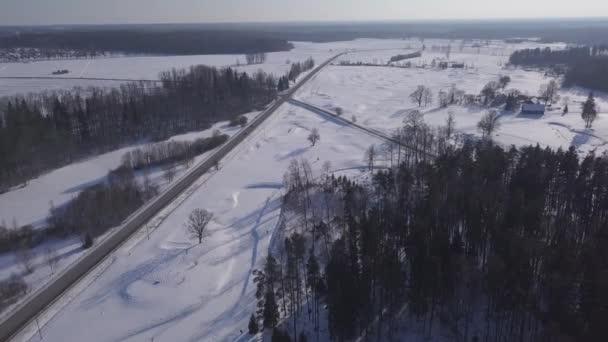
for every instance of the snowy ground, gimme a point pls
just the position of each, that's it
(143, 68)
(169, 288)
(149, 67)
(31, 204)
(379, 98)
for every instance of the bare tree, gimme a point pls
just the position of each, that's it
(24, 258)
(489, 91)
(189, 161)
(326, 168)
(418, 95)
(549, 92)
(169, 174)
(314, 136)
(503, 81)
(427, 96)
(565, 102)
(422, 95)
(488, 123)
(51, 259)
(414, 119)
(370, 157)
(197, 223)
(444, 99)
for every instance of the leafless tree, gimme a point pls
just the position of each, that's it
(549, 92)
(189, 162)
(314, 136)
(51, 259)
(370, 157)
(197, 223)
(489, 91)
(421, 95)
(326, 168)
(488, 123)
(427, 97)
(24, 258)
(444, 99)
(169, 174)
(292, 179)
(503, 81)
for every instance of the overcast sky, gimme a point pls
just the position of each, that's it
(26, 12)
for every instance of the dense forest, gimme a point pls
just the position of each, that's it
(43, 131)
(479, 244)
(585, 66)
(137, 41)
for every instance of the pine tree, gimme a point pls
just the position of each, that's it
(589, 113)
(87, 241)
(253, 325)
(271, 310)
(280, 336)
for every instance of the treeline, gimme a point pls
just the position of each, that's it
(585, 66)
(101, 207)
(171, 152)
(35, 54)
(177, 41)
(256, 58)
(294, 72)
(44, 131)
(398, 58)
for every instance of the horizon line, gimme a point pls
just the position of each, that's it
(322, 21)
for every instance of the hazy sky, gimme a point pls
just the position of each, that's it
(25, 12)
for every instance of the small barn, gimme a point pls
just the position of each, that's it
(533, 109)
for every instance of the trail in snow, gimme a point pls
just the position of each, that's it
(84, 69)
(235, 199)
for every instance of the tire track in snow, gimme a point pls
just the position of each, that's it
(84, 69)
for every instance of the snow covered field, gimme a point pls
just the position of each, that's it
(31, 204)
(149, 67)
(144, 68)
(379, 97)
(169, 288)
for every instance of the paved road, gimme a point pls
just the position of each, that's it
(38, 301)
